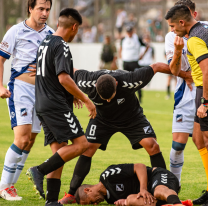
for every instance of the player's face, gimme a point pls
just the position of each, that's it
(41, 11)
(177, 27)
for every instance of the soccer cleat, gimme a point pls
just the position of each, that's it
(15, 191)
(53, 204)
(10, 194)
(67, 199)
(187, 202)
(201, 200)
(37, 179)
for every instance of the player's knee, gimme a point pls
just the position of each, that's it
(82, 147)
(178, 146)
(154, 148)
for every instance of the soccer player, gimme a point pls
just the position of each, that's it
(184, 107)
(132, 184)
(54, 90)
(22, 41)
(118, 110)
(182, 23)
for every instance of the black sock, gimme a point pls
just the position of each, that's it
(81, 170)
(53, 189)
(52, 164)
(173, 199)
(168, 90)
(157, 160)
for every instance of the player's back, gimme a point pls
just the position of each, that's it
(53, 58)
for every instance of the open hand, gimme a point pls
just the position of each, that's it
(146, 196)
(32, 70)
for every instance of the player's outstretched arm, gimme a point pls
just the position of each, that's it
(161, 67)
(133, 201)
(141, 171)
(175, 64)
(68, 83)
(4, 93)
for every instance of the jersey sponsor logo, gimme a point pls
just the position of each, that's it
(179, 118)
(4, 44)
(91, 137)
(25, 30)
(120, 101)
(23, 112)
(169, 54)
(132, 85)
(117, 170)
(109, 71)
(71, 122)
(98, 103)
(155, 183)
(164, 178)
(87, 83)
(147, 130)
(12, 114)
(120, 187)
(205, 26)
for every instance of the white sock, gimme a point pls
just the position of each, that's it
(20, 166)
(13, 156)
(176, 163)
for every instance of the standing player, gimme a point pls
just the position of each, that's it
(118, 110)
(54, 90)
(182, 23)
(184, 107)
(22, 41)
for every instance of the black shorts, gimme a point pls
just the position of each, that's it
(100, 132)
(202, 121)
(164, 177)
(60, 127)
(130, 66)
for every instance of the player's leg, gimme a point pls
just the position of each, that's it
(134, 201)
(168, 86)
(53, 178)
(98, 135)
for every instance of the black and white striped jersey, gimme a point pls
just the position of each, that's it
(125, 105)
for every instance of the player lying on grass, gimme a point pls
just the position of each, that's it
(118, 110)
(132, 184)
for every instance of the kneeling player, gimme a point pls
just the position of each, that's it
(132, 184)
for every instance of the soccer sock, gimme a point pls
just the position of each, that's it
(177, 159)
(52, 164)
(81, 170)
(204, 155)
(157, 160)
(53, 189)
(13, 156)
(173, 199)
(20, 166)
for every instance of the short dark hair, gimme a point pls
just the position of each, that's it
(73, 13)
(106, 86)
(32, 4)
(190, 4)
(178, 11)
(80, 194)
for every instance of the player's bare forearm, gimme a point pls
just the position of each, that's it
(204, 67)
(141, 172)
(161, 67)
(68, 83)
(134, 201)
(175, 64)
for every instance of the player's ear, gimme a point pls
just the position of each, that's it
(116, 83)
(74, 27)
(87, 190)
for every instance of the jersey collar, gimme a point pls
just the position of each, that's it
(194, 27)
(24, 23)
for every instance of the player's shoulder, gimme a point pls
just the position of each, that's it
(170, 36)
(15, 28)
(49, 29)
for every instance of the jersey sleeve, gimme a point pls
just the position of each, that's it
(169, 47)
(8, 43)
(117, 172)
(133, 81)
(85, 80)
(198, 48)
(62, 58)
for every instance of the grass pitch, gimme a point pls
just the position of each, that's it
(157, 110)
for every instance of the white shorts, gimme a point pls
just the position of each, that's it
(21, 105)
(183, 118)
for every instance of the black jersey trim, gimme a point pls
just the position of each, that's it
(195, 25)
(199, 59)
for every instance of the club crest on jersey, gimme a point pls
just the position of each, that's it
(23, 112)
(120, 101)
(179, 118)
(120, 187)
(147, 130)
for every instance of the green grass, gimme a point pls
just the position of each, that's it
(157, 110)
